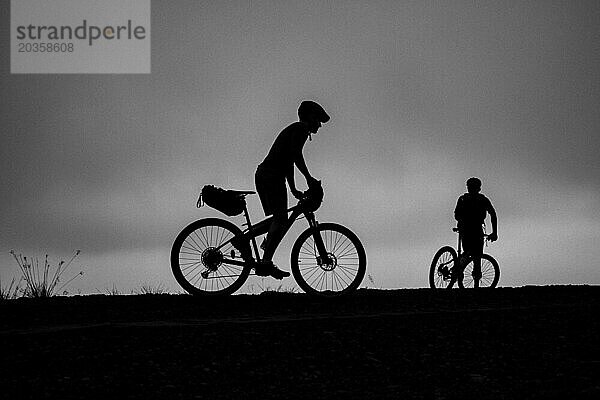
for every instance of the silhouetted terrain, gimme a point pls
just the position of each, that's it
(531, 342)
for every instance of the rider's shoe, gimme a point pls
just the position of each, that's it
(279, 274)
(243, 246)
(267, 268)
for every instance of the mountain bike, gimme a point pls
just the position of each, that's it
(450, 266)
(327, 259)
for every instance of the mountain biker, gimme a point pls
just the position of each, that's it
(470, 212)
(270, 178)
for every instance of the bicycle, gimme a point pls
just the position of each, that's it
(326, 259)
(446, 268)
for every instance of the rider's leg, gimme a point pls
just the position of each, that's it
(477, 260)
(277, 231)
(273, 196)
(469, 235)
(473, 245)
(476, 271)
(461, 263)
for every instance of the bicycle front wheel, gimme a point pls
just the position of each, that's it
(340, 272)
(490, 274)
(197, 258)
(440, 271)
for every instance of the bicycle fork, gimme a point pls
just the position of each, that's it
(323, 257)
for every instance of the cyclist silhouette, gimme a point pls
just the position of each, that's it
(470, 212)
(270, 178)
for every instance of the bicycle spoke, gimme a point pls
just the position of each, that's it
(488, 273)
(190, 265)
(341, 279)
(441, 267)
(342, 267)
(201, 242)
(197, 258)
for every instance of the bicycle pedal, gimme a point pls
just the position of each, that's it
(262, 272)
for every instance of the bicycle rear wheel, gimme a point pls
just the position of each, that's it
(342, 271)
(197, 258)
(490, 274)
(441, 267)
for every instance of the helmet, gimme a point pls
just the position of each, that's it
(308, 107)
(474, 183)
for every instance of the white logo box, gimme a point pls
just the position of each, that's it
(80, 36)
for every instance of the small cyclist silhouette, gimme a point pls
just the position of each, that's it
(448, 266)
(270, 178)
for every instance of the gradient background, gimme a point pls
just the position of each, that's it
(422, 96)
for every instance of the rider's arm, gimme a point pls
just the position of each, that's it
(300, 137)
(458, 214)
(494, 218)
(301, 165)
(292, 184)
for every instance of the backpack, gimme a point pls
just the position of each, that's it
(228, 202)
(472, 209)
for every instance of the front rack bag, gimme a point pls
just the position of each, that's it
(227, 201)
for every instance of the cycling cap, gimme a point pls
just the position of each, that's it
(474, 182)
(308, 107)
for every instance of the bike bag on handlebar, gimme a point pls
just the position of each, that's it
(313, 197)
(227, 201)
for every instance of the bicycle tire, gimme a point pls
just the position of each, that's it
(490, 273)
(347, 269)
(445, 256)
(195, 258)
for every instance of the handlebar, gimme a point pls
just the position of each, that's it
(455, 229)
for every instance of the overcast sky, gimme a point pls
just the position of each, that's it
(422, 95)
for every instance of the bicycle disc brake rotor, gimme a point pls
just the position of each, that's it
(328, 264)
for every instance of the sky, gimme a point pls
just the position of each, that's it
(422, 95)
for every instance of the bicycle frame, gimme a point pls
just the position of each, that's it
(459, 251)
(215, 256)
(262, 227)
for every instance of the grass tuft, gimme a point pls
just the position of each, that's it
(112, 291)
(265, 288)
(149, 289)
(11, 291)
(41, 280)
